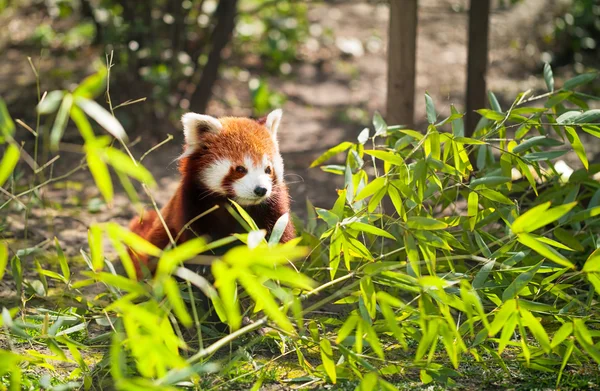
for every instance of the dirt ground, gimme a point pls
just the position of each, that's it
(328, 97)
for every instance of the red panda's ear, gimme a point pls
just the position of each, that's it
(195, 124)
(273, 121)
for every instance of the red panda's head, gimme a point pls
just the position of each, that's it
(233, 157)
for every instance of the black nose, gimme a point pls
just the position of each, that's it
(260, 191)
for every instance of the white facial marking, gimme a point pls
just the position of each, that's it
(256, 178)
(214, 174)
(278, 167)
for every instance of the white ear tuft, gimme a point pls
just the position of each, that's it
(195, 124)
(273, 121)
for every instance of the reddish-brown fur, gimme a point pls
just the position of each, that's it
(239, 137)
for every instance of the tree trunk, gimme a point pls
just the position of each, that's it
(479, 14)
(225, 13)
(402, 51)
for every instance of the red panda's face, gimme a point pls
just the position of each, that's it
(234, 157)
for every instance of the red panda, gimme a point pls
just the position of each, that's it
(226, 158)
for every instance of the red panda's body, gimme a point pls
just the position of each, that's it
(226, 158)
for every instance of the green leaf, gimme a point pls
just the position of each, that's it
(379, 124)
(93, 85)
(172, 258)
(495, 196)
(122, 162)
(225, 283)
(328, 216)
(539, 217)
(579, 80)
(549, 77)
(331, 152)
(490, 181)
(567, 238)
(279, 229)
(101, 175)
(370, 229)
(483, 273)
(458, 126)
(494, 102)
(117, 281)
(172, 292)
(102, 117)
(592, 264)
(425, 223)
(50, 102)
(430, 108)
(469, 141)
(542, 156)
(60, 123)
(3, 259)
(506, 310)
(285, 275)
(520, 282)
(264, 298)
(137, 243)
(561, 334)
(536, 329)
(370, 189)
(507, 332)
(8, 163)
(96, 249)
(587, 117)
(536, 141)
(545, 251)
(327, 357)
(62, 260)
(389, 157)
(247, 218)
(473, 209)
(577, 145)
(363, 136)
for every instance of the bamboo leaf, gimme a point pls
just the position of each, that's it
(540, 216)
(8, 163)
(327, 358)
(520, 282)
(430, 109)
(371, 229)
(543, 250)
(62, 260)
(379, 124)
(425, 223)
(549, 77)
(331, 152)
(262, 296)
(172, 292)
(101, 116)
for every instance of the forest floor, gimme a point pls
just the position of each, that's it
(331, 96)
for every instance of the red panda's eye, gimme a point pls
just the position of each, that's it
(268, 170)
(241, 169)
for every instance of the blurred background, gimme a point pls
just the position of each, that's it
(324, 62)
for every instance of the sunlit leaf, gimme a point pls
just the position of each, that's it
(540, 216)
(543, 250)
(8, 163)
(172, 292)
(327, 358)
(331, 153)
(101, 116)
